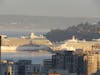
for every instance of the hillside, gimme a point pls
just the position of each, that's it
(39, 23)
(81, 31)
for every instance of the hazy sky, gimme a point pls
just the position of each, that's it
(66, 8)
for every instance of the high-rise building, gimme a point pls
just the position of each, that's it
(91, 63)
(47, 65)
(25, 67)
(82, 64)
(98, 61)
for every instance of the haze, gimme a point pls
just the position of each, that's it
(44, 15)
(65, 8)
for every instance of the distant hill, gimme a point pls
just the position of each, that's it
(39, 23)
(81, 31)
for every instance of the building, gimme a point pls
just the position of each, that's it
(6, 67)
(59, 60)
(79, 64)
(47, 65)
(59, 72)
(67, 60)
(53, 74)
(25, 67)
(92, 64)
(98, 61)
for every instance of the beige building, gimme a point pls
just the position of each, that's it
(98, 61)
(92, 64)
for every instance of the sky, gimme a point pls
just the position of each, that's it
(65, 8)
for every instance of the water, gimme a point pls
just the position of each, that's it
(37, 58)
(19, 33)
